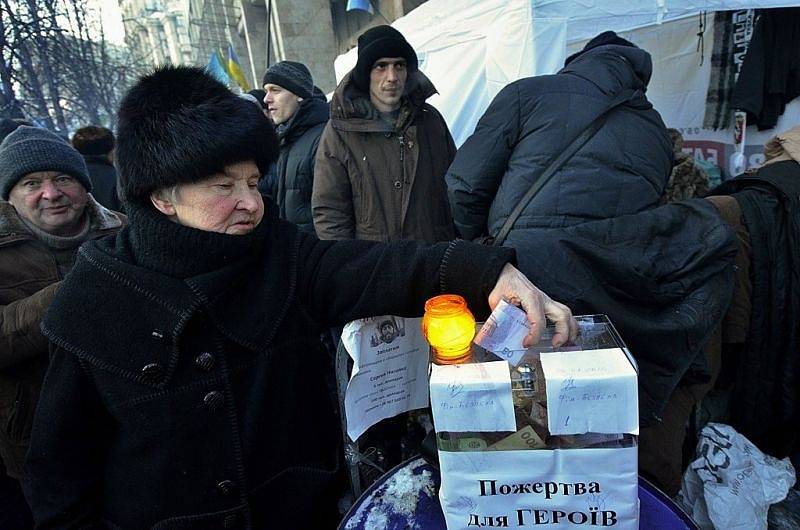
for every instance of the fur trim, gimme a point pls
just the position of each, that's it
(180, 125)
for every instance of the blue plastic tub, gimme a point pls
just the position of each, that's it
(381, 508)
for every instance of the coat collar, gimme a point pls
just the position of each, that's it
(121, 316)
(98, 159)
(351, 109)
(311, 112)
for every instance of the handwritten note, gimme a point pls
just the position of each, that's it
(472, 397)
(590, 391)
(503, 332)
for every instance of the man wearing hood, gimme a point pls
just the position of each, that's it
(596, 231)
(622, 170)
(299, 114)
(382, 157)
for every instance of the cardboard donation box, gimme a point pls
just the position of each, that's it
(539, 437)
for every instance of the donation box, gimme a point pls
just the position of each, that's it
(538, 437)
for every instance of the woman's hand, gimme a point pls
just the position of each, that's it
(518, 290)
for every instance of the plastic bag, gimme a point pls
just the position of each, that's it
(731, 484)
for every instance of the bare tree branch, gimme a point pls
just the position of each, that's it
(56, 65)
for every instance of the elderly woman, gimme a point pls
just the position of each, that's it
(186, 384)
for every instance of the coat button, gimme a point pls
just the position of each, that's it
(205, 361)
(231, 521)
(387, 135)
(152, 371)
(398, 184)
(227, 487)
(213, 400)
(410, 144)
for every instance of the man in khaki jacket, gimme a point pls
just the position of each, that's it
(46, 212)
(380, 166)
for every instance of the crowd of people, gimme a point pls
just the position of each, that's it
(164, 291)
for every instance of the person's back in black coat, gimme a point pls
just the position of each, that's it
(104, 181)
(622, 170)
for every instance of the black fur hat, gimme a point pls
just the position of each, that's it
(180, 125)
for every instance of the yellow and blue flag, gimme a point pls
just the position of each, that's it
(216, 68)
(235, 69)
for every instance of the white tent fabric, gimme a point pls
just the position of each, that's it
(587, 18)
(678, 91)
(472, 48)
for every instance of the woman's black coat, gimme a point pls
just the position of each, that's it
(201, 402)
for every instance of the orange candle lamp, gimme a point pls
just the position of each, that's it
(449, 327)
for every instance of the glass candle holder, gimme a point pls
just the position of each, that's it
(448, 326)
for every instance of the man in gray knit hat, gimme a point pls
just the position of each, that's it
(300, 112)
(46, 212)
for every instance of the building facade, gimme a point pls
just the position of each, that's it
(313, 32)
(212, 25)
(184, 31)
(156, 31)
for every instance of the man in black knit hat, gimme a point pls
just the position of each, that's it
(46, 213)
(299, 116)
(382, 158)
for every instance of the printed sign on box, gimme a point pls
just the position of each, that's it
(570, 459)
(576, 488)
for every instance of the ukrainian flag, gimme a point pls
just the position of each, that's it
(235, 69)
(217, 68)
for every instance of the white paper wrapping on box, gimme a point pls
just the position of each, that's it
(581, 488)
(591, 391)
(472, 397)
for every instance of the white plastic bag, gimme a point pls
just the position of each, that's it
(731, 484)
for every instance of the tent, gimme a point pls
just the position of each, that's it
(472, 48)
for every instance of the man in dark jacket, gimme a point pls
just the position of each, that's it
(621, 170)
(7, 126)
(96, 144)
(45, 214)
(300, 115)
(664, 275)
(382, 157)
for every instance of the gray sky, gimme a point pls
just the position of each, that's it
(112, 20)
